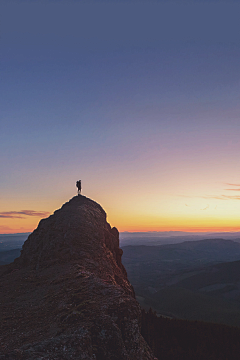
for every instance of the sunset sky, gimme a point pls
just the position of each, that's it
(139, 100)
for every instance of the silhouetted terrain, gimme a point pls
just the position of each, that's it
(12, 241)
(188, 280)
(190, 340)
(154, 238)
(68, 296)
(194, 280)
(6, 257)
(10, 247)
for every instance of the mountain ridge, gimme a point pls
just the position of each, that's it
(68, 295)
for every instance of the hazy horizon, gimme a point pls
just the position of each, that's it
(153, 233)
(150, 238)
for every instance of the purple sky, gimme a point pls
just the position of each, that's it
(138, 99)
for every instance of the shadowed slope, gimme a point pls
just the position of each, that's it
(68, 294)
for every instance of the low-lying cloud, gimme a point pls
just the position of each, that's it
(232, 184)
(221, 197)
(22, 214)
(238, 185)
(218, 197)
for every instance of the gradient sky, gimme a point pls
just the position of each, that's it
(139, 100)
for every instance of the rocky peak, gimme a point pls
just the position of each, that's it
(68, 292)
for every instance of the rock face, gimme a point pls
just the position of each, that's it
(67, 296)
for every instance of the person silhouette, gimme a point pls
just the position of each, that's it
(79, 186)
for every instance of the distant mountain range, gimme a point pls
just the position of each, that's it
(8, 241)
(196, 280)
(12, 241)
(8, 256)
(155, 238)
(184, 276)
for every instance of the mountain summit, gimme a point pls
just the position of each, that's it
(67, 296)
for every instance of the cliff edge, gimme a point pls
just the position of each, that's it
(67, 296)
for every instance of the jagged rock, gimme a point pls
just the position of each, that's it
(67, 296)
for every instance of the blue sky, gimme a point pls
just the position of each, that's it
(138, 99)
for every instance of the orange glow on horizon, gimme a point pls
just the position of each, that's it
(216, 225)
(185, 229)
(143, 215)
(133, 228)
(188, 224)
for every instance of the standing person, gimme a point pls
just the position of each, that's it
(79, 186)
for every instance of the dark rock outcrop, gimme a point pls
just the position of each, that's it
(67, 296)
